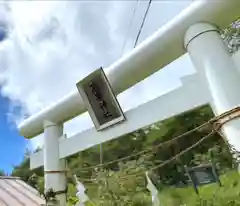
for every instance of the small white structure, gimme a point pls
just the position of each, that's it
(81, 192)
(154, 192)
(195, 30)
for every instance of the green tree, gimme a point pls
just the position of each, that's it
(2, 173)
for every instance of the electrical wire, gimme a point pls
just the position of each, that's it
(129, 26)
(143, 22)
(122, 50)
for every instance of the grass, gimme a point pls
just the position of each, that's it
(209, 195)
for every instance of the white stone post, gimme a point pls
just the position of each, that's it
(52, 164)
(217, 70)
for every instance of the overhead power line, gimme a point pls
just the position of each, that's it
(143, 22)
(129, 27)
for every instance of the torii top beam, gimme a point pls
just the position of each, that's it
(163, 47)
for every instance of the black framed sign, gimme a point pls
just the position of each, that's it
(102, 104)
(203, 175)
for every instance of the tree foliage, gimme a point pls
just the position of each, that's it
(2, 173)
(231, 36)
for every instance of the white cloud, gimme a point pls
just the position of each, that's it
(52, 45)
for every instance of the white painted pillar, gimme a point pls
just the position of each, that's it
(217, 69)
(56, 181)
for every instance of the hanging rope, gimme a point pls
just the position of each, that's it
(147, 150)
(216, 123)
(51, 196)
(165, 162)
(174, 157)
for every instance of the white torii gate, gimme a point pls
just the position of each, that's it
(217, 81)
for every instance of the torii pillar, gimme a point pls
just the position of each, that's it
(54, 167)
(217, 70)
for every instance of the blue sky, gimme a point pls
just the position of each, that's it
(12, 145)
(45, 46)
(47, 50)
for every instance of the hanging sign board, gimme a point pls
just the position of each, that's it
(100, 100)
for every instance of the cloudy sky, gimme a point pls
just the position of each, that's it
(51, 45)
